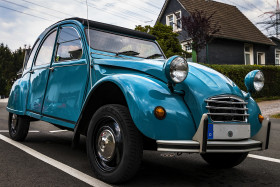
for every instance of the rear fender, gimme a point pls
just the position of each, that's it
(18, 95)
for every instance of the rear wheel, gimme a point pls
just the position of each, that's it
(18, 126)
(114, 144)
(224, 160)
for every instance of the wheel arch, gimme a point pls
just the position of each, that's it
(141, 94)
(104, 90)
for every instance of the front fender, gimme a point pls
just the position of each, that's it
(143, 93)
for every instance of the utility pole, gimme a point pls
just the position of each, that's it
(273, 23)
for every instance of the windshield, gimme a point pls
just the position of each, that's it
(124, 45)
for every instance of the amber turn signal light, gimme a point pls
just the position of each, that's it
(160, 112)
(261, 118)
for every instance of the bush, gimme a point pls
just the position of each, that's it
(237, 74)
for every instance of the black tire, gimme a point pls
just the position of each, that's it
(224, 160)
(18, 126)
(114, 144)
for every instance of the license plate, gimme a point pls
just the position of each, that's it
(228, 131)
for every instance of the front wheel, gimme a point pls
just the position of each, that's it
(18, 126)
(224, 160)
(114, 144)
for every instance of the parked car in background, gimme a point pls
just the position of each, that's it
(116, 86)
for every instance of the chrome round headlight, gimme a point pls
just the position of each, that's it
(254, 81)
(177, 69)
(259, 81)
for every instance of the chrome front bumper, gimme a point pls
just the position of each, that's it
(200, 144)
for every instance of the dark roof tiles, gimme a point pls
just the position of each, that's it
(234, 24)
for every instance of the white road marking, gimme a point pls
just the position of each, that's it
(58, 131)
(264, 158)
(67, 169)
(28, 131)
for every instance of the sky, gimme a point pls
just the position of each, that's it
(22, 21)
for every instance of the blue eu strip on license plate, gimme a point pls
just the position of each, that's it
(210, 132)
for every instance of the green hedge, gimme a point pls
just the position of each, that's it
(237, 74)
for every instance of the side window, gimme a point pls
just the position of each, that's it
(31, 57)
(46, 50)
(69, 45)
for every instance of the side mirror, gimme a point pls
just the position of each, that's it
(254, 81)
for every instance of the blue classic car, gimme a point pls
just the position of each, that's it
(116, 86)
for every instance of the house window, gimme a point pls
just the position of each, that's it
(277, 58)
(170, 20)
(248, 54)
(186, 46)
(261, 58)
(178, 16)
(174, 20)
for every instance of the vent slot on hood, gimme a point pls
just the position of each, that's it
(227, 109)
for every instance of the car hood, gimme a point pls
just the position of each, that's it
(202, 82)
(151, 67)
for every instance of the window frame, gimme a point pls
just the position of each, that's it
(56, 44)
(34, 57)
(263, 57)
(187, 43)
(120, 34)
(251, 53)
(277, 51)
(175, 19)
(41, 44)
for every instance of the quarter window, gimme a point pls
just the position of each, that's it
(31, 57)
(69, 45)
(46, 51)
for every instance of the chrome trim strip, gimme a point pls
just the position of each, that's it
(227, 97)
(226, 102)
(177, 142)
(208, 151)
(221, 144)
(233, 151)
(227, 114)
(68, 65)
(178, 150)
(213, 143)
(226, 108)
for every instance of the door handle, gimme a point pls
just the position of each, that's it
(31, 71)
(51, 69)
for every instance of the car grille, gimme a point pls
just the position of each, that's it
(227, 109)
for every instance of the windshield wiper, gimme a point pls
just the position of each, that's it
(128, 53)
(154, 56)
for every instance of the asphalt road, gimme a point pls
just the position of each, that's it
(17, 168)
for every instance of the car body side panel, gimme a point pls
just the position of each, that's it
(65, 91)
(38, 83)
(143, 93)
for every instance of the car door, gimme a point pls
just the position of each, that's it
(40, 72)
(68, 77)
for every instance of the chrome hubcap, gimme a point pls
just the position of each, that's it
(106, 145)
(14, 122)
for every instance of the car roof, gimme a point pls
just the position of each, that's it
(112, 28)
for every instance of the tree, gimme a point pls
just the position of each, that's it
(10, 64)
(201, 28)
(166, 38)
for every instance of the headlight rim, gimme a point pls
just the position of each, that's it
(250, 80)
(167, 69)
